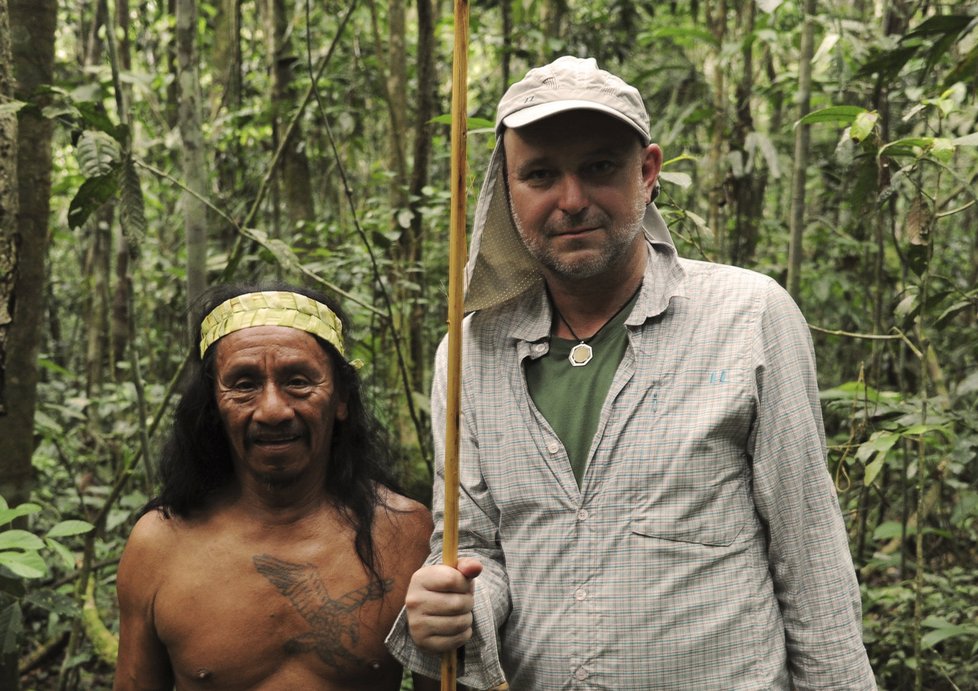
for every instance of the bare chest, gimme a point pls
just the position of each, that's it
(239, 618)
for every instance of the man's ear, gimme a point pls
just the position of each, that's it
(651, 167)
(342, 411)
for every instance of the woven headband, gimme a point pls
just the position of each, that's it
(271, 308)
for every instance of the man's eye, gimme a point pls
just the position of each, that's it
(298, 382)
(601, 168)
(244, 385)
(538, 176)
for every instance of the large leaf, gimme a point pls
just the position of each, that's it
(91, 195)
(97, 153)
(71, 527)
(942, 24)
(53, 601)
(24, 564)
(7, 515)
(888, 63)
(20, 539)
(842, 115)
(942, 633)
(11, 625)
(131, 206)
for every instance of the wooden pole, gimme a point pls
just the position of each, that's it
(456, 264)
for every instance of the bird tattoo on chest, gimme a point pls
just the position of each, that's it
(333, 630)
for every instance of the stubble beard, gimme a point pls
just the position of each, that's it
(618, 244)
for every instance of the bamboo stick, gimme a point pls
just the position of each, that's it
(456, 263)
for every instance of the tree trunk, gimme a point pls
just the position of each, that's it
(8, 199)
(33, 63)
(746, 188)
(717, 21)
(425, 103)
(119, 309)
(8, 231)
(802, 136)
(194, 167)
(24, 226)
(293, 170)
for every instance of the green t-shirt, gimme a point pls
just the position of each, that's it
(569, 397)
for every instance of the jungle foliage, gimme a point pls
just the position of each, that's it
(199, 141)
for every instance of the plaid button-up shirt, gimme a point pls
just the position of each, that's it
(705, 548)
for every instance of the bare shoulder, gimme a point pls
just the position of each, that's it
(155, 533)
(402, 526)
(404, 513)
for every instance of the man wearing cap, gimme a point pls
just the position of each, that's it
(278, 551)
(644, 500)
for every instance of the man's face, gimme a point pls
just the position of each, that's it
(277, 399)
(578, 184)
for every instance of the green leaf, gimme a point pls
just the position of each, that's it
(874, 468)
(683, 180)
(7, 515)
(966, 140)
(62, 552)
(53, 601)
(889, 530)
(942, 150)
(682, 34)
(20, 539)
(952, 312)
(11, 107)
(907, 146)
(941, 24)
(879, 442)
(97, 153)
(888, 63)
(922, 428)
(91, 195)
(471, 124)
(24, 564)
(131, 206)
(863, 125)
(11, 626)
(843, 115)
(932, 638)
(70, 527)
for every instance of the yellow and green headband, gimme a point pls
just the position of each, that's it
(271, 308)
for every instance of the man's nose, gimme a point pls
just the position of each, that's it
(272, 406)
(573, 195)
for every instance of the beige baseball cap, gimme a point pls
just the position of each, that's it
(499, 267)
(570, 83)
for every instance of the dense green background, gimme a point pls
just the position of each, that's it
(879, 188)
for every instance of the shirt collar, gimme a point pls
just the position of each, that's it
(664, 279)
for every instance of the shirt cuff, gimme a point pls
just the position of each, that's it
(479, 667)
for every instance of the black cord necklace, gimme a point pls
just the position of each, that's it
(583, 353)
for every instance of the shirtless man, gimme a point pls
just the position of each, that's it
(278, 553)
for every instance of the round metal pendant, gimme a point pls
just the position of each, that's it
(580, 355)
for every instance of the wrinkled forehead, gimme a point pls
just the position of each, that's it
(268, 346)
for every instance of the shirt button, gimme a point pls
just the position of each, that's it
(580, 594)
(539, 347)
(583, 515)
(553, 447)
(580, 674)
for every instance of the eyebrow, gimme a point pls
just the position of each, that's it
(622, 150)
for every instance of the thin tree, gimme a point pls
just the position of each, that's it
(802, 136)
(193, 161)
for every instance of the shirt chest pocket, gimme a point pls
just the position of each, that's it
(664, 525)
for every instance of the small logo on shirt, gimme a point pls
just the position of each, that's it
(719, 376)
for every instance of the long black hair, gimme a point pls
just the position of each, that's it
(196, 458)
